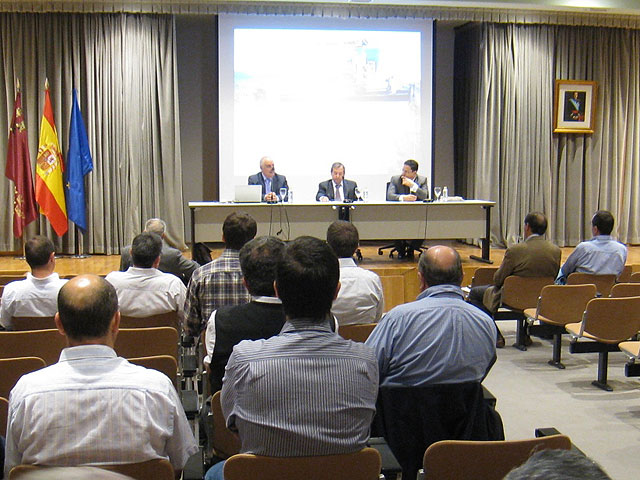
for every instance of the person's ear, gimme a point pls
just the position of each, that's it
(422, 281)
(275, 289)
(59, 326)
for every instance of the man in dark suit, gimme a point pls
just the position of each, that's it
(535, 257)
(337, 189)
(171, 259)
(408, 187)
(270, 181)
(262, 317)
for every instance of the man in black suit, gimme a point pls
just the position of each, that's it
(171, 259)
(337, 189)
(270, 181)
(262, 317)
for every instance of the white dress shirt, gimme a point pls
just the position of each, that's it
(94, 408)
(148, 291)
(360, 299)
(32, 297)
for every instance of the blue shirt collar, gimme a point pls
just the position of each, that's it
(446, 290)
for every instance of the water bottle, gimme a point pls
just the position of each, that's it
(290, 197)
(445, 193)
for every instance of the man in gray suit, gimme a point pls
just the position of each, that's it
(408, 187)
(171, 259)
(337, 189)
(270, 181)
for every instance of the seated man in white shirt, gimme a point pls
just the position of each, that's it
(360, 299)
(144, 290)
(36, 296)
(93, 407)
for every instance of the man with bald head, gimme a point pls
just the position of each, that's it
(270, 181)
(93, 407)
(439, 338)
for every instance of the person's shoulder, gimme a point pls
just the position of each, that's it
(116, 275)
(147, 378)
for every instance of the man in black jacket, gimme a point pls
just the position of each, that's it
(262, 317)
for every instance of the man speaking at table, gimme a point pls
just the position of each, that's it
(270, 181)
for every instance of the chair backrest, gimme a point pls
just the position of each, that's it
(156, 469)
(32, 323)
(483, 276)
(225, 443)
(625, 275)
(603, 283)
(523, 292)
(11, 369)
(4, 279)
(147, 342)
(163, 363)
(565, 303)
(46, 344)
(357, 333)
(635, 277)
(362, 465)
(612, 320)
(4, 413)
(167, 319)
(461, 460)
(620, 290)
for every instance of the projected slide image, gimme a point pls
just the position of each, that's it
(290, 65)
(310, 91)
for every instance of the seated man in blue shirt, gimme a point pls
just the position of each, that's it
(602, 255)
(439, 338)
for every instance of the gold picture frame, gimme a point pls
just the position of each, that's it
(574, 106)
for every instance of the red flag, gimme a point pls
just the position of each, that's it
(19, 171)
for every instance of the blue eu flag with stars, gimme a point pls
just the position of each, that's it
(79, 163)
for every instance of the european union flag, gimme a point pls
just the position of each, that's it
(79, 163)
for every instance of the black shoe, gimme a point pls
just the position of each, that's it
(500, 341)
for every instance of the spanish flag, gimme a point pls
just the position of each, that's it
(49, 168)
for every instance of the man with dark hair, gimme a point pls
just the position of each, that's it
(171, 261)
(93, 407)
(408, 187)
(558, 465)
(360, 299)
(219, 283)
(262, 317)
(36, 295)
(306, 391)
(143, 289)
(270, 181)
(439, 338)
(602, 255)
(337, 189)
(535, 257)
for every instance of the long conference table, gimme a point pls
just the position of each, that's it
(467, 219)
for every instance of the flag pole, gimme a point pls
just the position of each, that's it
(79, 253)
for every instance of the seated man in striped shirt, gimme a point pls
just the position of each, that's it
(93, 407)
(306, 391)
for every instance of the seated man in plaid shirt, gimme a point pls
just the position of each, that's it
(219, 282)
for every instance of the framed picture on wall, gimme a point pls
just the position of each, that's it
(575, 106)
